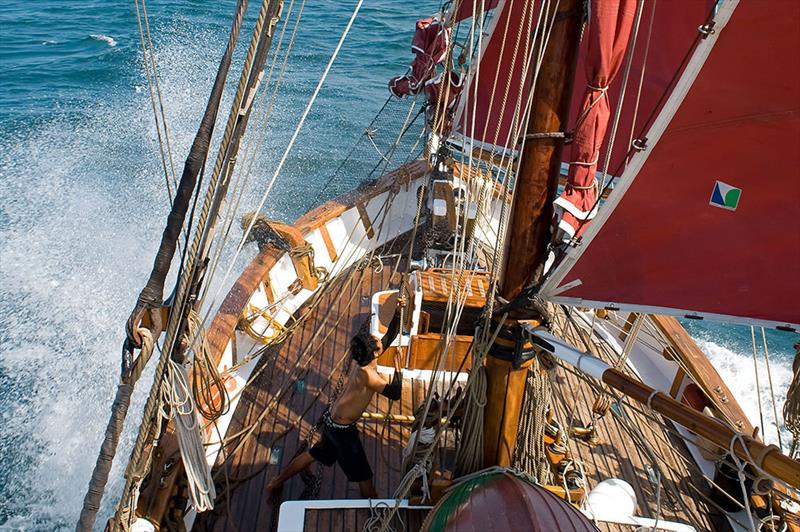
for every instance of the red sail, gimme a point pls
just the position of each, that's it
(706, 220)
(489, 107)
(664, 39)
(609, 31)
(466, 8)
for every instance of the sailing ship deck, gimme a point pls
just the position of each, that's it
(307, 366)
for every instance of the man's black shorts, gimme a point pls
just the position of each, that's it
(340, 443)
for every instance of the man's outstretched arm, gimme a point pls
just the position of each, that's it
(377, 383)
(392, 330)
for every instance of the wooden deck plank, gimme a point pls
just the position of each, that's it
(255, 496)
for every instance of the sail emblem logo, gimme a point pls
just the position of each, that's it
(725, 196)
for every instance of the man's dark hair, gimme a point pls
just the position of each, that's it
(363, 346)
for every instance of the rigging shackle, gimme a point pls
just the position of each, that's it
(126, 359)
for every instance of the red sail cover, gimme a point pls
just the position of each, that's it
(429, 45)
(498, 90)
(706, 220)
(609, 29)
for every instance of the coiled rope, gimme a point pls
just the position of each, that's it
(177, 395)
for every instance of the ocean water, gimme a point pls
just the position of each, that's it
(82, 203)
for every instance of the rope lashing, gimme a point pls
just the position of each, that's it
(603, 94)
(650, 398)
(602, 89)
(601, 406)
(549, 135)
(530, 454)
(586, 163)
(119, 409)
(588, 187)
(263, 233)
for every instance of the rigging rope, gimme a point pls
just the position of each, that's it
(135, 469)
(244, 172)
(108, 449)
(288, 149)
(771, 390)
(153, 291)
(149, 61)
(758, 384)
(624, 85)
(529, 452)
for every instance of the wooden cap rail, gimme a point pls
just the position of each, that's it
(224, 324)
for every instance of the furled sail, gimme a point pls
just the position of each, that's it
(706, 219)
(610, 26)
(498, 87)
(429, 45)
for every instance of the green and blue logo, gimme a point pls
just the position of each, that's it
(725, 196)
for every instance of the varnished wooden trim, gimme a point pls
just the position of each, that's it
(326, 238)
(363, 215)
(676, 383)
(701, 371)
(227, 317)
(267, 286)
(335, 207)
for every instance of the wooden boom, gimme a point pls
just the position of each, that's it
(766, 457)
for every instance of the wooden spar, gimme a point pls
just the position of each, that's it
(771, 459)
(529, 229)
(540, 166)
(702, 372)
(505, 389)
(767, 457)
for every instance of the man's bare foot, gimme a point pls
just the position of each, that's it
(273, 490)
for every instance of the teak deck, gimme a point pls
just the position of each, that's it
(321, 341)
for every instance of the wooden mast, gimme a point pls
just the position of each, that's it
(532, 211)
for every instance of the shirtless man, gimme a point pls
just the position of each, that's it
(339, 441)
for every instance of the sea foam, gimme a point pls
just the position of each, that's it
(105, 38)
(737, 370)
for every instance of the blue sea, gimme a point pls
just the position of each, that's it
(83, 201)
